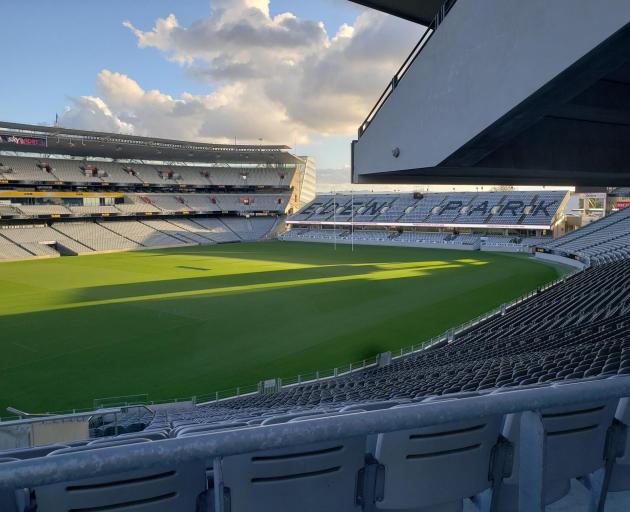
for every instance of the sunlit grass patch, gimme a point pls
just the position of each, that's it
(192, 320)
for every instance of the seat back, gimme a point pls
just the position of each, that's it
(285, 418)
(324, 415)
(104, 444)
(309, 478)
(620, 478)
(373, 406)
(158, 435)
(200, 428)
(31, 453)
(575, 440)
(82, 442)
(158, 489)
(574, 447)
(431, 466)
(213, 431)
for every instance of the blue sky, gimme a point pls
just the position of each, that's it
(58, 49)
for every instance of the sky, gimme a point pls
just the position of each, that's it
(298, 72)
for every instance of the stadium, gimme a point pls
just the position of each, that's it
(191, 326)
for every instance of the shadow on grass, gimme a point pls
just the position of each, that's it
(311, 253)
(180, 346)
(256, 281)
(220, 333)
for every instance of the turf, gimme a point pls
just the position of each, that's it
(173, 323)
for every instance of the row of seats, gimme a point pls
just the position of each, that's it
(428, 469)
(69, 238)
(159, 203)
(412, 238)
(536, 208)
(605, 240)
(578, 328)
(40, 241)
(577, 331)
(85, 172)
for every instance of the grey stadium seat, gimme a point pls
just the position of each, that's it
(157, 435)
(201, 428)
(574, 447)
(32, 453)
(285, 418)
(312, 478)
(433, 469)
(158, 489)
(95, 445)
(620, 478)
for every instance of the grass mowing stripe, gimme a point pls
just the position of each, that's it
(193, 320)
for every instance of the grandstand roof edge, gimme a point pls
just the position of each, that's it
(417, 12)
(55, 139)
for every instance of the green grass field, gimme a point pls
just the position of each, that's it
(173, 323)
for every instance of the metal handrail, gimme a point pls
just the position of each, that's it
(426, 35)
(59, 417)
(114, 460)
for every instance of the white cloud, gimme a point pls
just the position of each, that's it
(229, 112)
(94, 114)
(279, 78)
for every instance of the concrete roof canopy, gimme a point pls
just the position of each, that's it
(83, 143)
(418, 11)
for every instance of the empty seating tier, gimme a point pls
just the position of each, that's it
(578, 328)
(574, 333)
(412, 238)
(535, 209)
(95, 236)
(141, 233)
(602, 241)
(74, 238)
(23, 169)
(44, 241)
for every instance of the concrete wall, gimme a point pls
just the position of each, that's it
(559, 259)
(502, 248)
(458, 247)
(60, 431)
(43, 432)
(17, 436)
(486, 58)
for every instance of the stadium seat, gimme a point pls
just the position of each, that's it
(620, 476)
(205, 428)
(179, 429)
(433, 469)
(313, 478)
(32, 453)
(159, 489)
(574, 447)
(371, 406)
(158, 435)
(433, 216)
(285, 418)
(104, 444)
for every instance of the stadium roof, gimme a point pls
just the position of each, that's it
(56, 140)
(418, 11)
